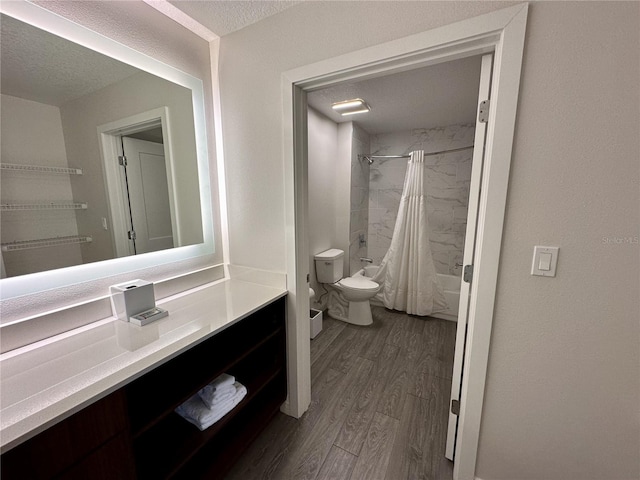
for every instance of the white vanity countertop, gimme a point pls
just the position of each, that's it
(43, 384)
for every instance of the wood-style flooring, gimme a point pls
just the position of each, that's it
(379, 406)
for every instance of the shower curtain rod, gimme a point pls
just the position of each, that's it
(370, 158)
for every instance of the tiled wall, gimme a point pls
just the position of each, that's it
(359, 220)
(447, 188)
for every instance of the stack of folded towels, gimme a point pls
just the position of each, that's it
(212, 402)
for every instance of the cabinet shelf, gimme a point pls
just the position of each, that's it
(21, 207)
(41, 169)
(170, 445)
(166, 445)
(169, 408)
(45, 242)
(220, 353)
(216, 457)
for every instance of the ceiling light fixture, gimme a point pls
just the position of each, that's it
(350, 107)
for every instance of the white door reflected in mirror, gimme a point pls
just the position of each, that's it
(147, 189)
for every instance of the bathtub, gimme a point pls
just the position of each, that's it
(450, 285)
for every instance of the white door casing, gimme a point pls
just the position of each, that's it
(501, 32)
(484, 90)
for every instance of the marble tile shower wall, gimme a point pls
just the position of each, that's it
(448, 179)
(359, 220)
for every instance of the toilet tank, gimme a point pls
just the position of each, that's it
(329, 265)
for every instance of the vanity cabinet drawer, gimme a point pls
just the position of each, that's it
(55, 450)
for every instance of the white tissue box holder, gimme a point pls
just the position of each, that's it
(315, 317)
(130, 298)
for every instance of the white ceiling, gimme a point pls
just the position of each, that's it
(223, 17)
(434, 96)
(36, 65)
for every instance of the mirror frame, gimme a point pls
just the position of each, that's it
(48, 21)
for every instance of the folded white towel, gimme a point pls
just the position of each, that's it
(214, 395)
(224, 407)
(222, 381)
(196, 412)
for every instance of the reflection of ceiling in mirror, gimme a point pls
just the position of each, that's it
(27, 51)
(152, 135)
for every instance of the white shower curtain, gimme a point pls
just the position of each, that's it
(407, 274)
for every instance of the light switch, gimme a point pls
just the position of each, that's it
(545, 260)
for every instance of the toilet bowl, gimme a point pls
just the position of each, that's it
(356, 291)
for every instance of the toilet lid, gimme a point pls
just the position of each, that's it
(361, 283)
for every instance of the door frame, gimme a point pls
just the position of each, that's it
(110, 149)
(501, 32)
(475, 187)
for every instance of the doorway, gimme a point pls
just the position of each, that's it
(501, 32)
(139, 181)
(433, 109)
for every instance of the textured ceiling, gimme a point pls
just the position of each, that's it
(434, 96)
(36, 65)
(224, 17)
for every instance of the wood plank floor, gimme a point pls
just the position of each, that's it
(378, 410)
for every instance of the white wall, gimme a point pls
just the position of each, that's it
(563, 389)
(32, 135)
(323, 156)
(359, 201)
(342, 179)
(251, 63)
(563, 379)
(332, 154)
(136, 94)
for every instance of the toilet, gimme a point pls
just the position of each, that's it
(356, 290)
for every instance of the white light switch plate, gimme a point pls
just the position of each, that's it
(545, 260)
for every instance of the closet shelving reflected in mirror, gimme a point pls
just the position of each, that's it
(18, 210)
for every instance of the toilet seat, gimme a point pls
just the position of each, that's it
(359, 283)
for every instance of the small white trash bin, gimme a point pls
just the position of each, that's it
(315, 318)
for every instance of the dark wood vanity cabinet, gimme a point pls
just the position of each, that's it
(93, 437)
(135, 433)
(167, 446)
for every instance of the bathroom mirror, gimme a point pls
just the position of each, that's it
(103, 156)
